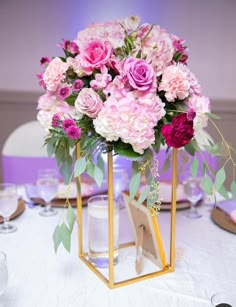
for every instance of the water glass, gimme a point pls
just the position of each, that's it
(47, 186)
(224, 299)
(8, 205)
(194, 193)
(98, 239)
(3, 272)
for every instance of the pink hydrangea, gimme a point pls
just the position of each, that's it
(175, 83)
(88, 102)
(157, 46)
(54, 74)
(109, 31)
(129, 120)
(101, 81)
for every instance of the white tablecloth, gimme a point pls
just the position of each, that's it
(205, 264)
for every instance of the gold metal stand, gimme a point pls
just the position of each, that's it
(84, 256)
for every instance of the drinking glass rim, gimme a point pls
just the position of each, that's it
(3, 256)
(99, 197)
(228, 293)
(7, 184)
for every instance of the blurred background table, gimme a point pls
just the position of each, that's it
(205, 264)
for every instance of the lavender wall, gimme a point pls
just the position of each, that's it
(31, 29)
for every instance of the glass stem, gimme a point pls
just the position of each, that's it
(6, 221)
(48, 206)
(193, 208)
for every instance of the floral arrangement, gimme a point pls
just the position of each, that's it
(124, 87)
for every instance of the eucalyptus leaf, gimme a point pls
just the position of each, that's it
(90, 168)
(143, 195)
(233, 189)
(204, 166)
(194, 167)
(190, 148)
(220, 178)
(135, 167)
(57, 238)
(223, 192)
(50, 148)
(166, 165)
(66, 171)
(134, 185)
(212, 115)
(70, 217)
(98, 176)
(214, 150)
(80, 166)
(65, 235)
(207, 184)
(100, 164)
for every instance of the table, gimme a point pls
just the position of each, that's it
(38, 277)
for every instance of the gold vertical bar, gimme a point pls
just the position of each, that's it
(110, 219)
(79, 207)
(173, 208)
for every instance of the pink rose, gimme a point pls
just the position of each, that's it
(54, 74)
(179, 132)
(95, 54)
(88, 102)
(139, 74)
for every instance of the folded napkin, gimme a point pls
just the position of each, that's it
(229, 207)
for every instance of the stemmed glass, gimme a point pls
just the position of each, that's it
(8, 205)
(193, 192)
(47, 186)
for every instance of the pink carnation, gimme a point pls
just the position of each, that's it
(88, 102)
(54, 74)
(175, 83)
(68, 122)
(73, 132)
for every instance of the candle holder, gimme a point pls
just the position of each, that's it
(166, 267)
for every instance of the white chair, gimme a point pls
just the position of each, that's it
(23, 154)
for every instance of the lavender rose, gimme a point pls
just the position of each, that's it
(88, 102)
(139, 74)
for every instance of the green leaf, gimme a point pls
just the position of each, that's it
(204, 167)
(50, 148)
(70, 217)
(214, 150)
(66, 171)
(90, 168)
(191, 147)
(57, 238)
(207, 184)
(194, 167)
(71, 100)
(98, 176)
(220, 178)
(233, 189)
(134, 185)
(143, 195)
(126, 150)
(65, 235)
(100, 164)
(80, 166)
(166, 165)
(212, 115)
(135, 167)
(223, 192)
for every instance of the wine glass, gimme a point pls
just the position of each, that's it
(8, 205)
(47, 186)
(223, 299)
(3, 272)
(193, 192)
(120, 183)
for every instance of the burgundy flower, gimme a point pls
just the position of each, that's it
(44, 62)
(179, 132)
